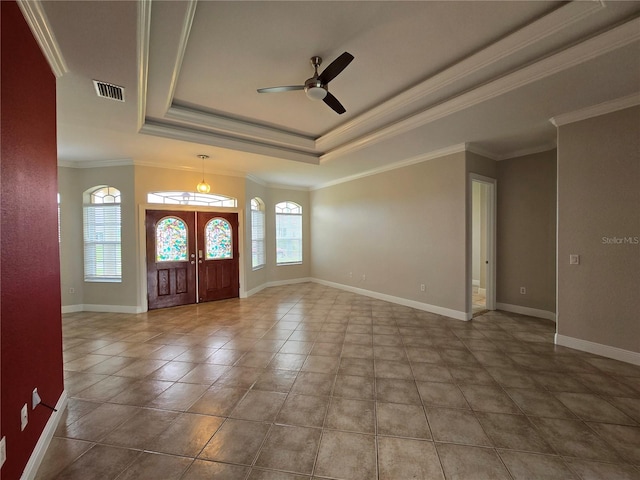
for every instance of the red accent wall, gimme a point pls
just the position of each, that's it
(30, 320)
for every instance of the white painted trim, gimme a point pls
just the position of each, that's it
(608, 41)
(597, 110)
(492, 240)
(88, 307)
(166, 130)
(394, 166)
(276, 283)
(30, 470)
(559, 19)
(116, 162)
(475, 283)
(143, 32)
(447, 312)
(38, 22)
(72, 308)
(482, 291)
(185, 32)
(237, 128)
(598, 349)
(532, 312)
(527, 151)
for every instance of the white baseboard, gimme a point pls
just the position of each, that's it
(475, 283)
(532, 312)
(482, 291)
(277, 283)
(30, 470)
(598, 349)
(400, 301)
(72, 308)
(87, 307)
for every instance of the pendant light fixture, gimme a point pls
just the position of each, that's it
(203, 187)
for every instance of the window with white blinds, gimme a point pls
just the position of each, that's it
(257, 233)
(102, 225)
(288, 233)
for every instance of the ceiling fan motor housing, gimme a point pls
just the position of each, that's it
(314, 89)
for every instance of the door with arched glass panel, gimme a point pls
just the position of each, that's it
(171, 258)
(217, 256)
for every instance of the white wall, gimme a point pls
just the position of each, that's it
(400, 229)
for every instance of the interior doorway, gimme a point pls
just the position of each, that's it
(482, 291)
(192, 257)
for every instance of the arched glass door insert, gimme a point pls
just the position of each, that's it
(218, 239)
(171, 240)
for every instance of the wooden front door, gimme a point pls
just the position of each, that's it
(218, 253)
(192, 257)
(171, 258)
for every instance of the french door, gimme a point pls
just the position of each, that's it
(192, 257)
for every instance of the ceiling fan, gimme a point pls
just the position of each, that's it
(316, 87)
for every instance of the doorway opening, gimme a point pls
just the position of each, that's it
(482, 290)
(192, 257)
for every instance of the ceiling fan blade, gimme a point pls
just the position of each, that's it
(281, 89)
(335, 67)
(334, 103)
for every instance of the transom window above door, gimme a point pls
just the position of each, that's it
(192, 198)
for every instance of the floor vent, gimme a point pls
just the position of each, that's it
(107, 90)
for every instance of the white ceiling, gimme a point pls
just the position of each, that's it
(427, 77)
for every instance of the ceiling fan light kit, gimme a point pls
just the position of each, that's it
(317, 87)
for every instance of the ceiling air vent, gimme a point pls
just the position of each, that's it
(107, 90)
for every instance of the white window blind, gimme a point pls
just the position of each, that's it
(288, 233)
(102, 252)
(257, 235)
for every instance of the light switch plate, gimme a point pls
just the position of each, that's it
(574, 259)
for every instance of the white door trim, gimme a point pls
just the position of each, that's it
(491, 184)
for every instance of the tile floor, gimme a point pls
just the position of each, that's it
(306, 381)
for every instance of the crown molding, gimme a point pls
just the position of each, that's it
(237, 128)
(608, 41)
(185, 32)
(143, 32)
(183, 168)
(443, 152)
(118, 162)
(529, 35)
(34, 14)
(208, 138)
(632, 100)
(527, 151)
(255, 179)
(478, 150)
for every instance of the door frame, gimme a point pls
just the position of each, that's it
(142, 244)
(491, 184)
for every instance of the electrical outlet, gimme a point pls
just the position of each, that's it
(364, 277)
(35, 399)
(72, 290)
(422, 287)
(574, 259)
(523, 291)
(3, 451)
(24, 417)
(350, 274)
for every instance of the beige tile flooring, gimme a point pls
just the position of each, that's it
(306, 381)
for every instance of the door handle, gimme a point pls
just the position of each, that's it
(199, 261)
(193, 262)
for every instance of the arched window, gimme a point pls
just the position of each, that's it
(288, 233)
(217, 239)
(171, 240)
(191, 198)
(102, 245)
(257, 233)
